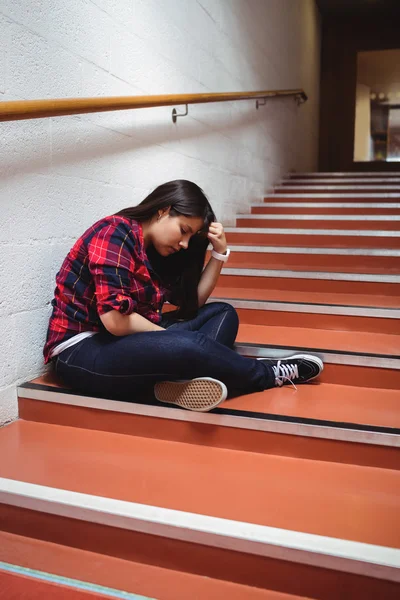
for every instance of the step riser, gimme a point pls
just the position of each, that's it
(309, 285)
(349, 179)
(387, 379)
(319, 224)
(314, 262)
(329, 198)
(312, 241)
(261, 210)
(337, 174)
(339, 184)
(210, 434)
(219, 563)
(338, 190)
(318, 321)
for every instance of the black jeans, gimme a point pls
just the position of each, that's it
(127, 367)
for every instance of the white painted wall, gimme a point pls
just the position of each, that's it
(362, 128)
(60, 175)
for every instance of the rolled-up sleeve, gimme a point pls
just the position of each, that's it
(111, 253)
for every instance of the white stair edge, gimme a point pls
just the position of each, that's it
(328, 232)
(387, 252)
(320, 551)
(314, 217)
(234, 421)
(328, 276)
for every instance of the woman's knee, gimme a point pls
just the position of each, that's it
(231, 314)
(224, 307)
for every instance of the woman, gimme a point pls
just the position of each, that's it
(107, 334)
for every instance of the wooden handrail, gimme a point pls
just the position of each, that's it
(37, 109)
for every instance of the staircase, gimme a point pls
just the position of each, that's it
(278, 495)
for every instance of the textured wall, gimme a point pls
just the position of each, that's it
(60, 175)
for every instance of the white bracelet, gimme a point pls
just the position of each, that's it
(221, 257)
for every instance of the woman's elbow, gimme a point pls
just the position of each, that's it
(112, 322)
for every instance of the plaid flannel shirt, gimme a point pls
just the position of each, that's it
(106, 269)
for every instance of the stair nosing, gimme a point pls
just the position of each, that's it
(322, 551)
(224, 417)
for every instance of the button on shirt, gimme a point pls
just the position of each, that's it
(107, 269)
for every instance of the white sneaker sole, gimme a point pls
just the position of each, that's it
(201, 394)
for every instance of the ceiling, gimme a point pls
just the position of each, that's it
(378, 67)
(380, 71)
(359, 8)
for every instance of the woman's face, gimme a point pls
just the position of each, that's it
(170, 234)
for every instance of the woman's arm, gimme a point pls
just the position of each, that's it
(118, 324)
(209, 277)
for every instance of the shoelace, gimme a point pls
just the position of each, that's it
(285, 373)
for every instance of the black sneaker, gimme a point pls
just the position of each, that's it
(299, 368)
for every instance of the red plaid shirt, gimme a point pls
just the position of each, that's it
(106, 269)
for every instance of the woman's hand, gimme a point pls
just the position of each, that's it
(216, 235)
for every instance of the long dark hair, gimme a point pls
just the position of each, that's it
(179, 272)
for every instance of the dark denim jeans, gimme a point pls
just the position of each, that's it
(124, 367)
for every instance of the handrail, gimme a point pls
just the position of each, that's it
(37, 109)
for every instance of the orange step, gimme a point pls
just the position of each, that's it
(307, 284)
(19, 586)
(329, 197)
(294, 238)
(322, 224)
(349, 174)
(98, 569)
(341, 263)
(301, 337)
(196, 566)
(234, 287)
(324, 321)
(320, 421)
(317, 210)
(345, 183)
(269, 490)
(345, 189)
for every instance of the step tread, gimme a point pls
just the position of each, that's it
(336, 299)
(120, 574)
(324, 339)
(320, 400)
(246, 261)
(293, 494)
(325, 401)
